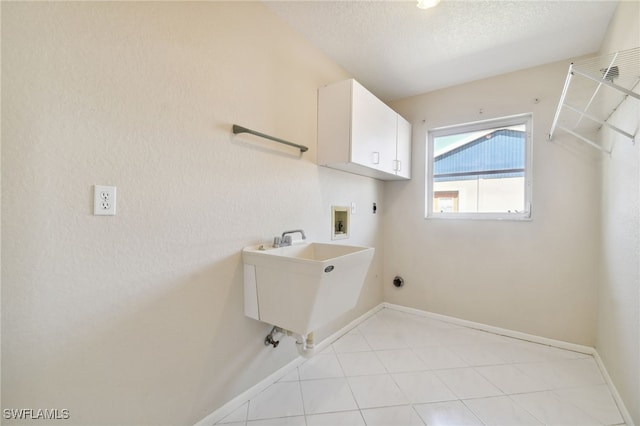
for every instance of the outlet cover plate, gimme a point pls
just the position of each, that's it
(104, 200)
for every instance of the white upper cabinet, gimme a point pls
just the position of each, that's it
(403, 149)
(359, 133)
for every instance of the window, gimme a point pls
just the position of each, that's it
(480, 170)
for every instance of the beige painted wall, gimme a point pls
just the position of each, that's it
(138, 318)
(535, 276)
(618, 341)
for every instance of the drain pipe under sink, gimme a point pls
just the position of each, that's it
(304, 344)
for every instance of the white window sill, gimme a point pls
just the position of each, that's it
(518, 217)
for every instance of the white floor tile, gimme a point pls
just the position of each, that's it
(451, 413)
(467, 383)
(520, 351)
(237, 416)
(403, 415)
(403, 369)
(374, 324)
(376, 391)
(321, 366)
(500, 410)
(291, 376)
(400, 360)
(596, 401)
(430, 337)
(361, 363)
(281, 399)
(414, 323)
(479, 337)
(283, 421)
(439, 357)
(423, 387)
(434, 323)
(582, 371)
(351, 343)
(425, 337)
(326, 396)
(344, 418)
(477, 354)
(327, 350)
(386, 340)
(564, 374)
(510, 380)
(400, 318)
(551, 410)
(549, 353)
(462, 336)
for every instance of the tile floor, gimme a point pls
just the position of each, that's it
(397, 369)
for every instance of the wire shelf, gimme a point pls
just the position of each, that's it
(594, 90)
(621, 69)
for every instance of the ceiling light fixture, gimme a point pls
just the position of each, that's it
(427, 4)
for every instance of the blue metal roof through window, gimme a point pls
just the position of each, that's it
(497, 154)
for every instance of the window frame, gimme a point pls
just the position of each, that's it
(519, 119)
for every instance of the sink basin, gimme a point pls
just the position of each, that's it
(304, 286)
(310, 251)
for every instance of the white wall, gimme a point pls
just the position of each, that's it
(535, 276)
(618, 338)
(138, 318)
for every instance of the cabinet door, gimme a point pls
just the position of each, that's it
(403, 149)
(373, 131)
(334, 123)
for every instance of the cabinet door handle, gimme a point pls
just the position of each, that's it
(397, 165)
(375, 157)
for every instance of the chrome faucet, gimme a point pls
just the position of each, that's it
(286, 239)
(304, 237)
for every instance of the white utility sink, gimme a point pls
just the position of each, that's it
(303, 286)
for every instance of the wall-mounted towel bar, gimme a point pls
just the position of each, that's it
(239, 129)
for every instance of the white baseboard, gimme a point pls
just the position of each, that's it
(612, 388)
(239, 400)
(495, 330)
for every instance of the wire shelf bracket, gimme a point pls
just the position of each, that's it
(239, 129)
(619, 71)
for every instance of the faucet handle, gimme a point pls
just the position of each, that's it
(287, 240)
(276, 242)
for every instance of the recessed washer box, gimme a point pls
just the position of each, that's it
(340, 222)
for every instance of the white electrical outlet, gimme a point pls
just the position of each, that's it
(104, 200)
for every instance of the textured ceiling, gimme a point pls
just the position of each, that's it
(397, 50)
